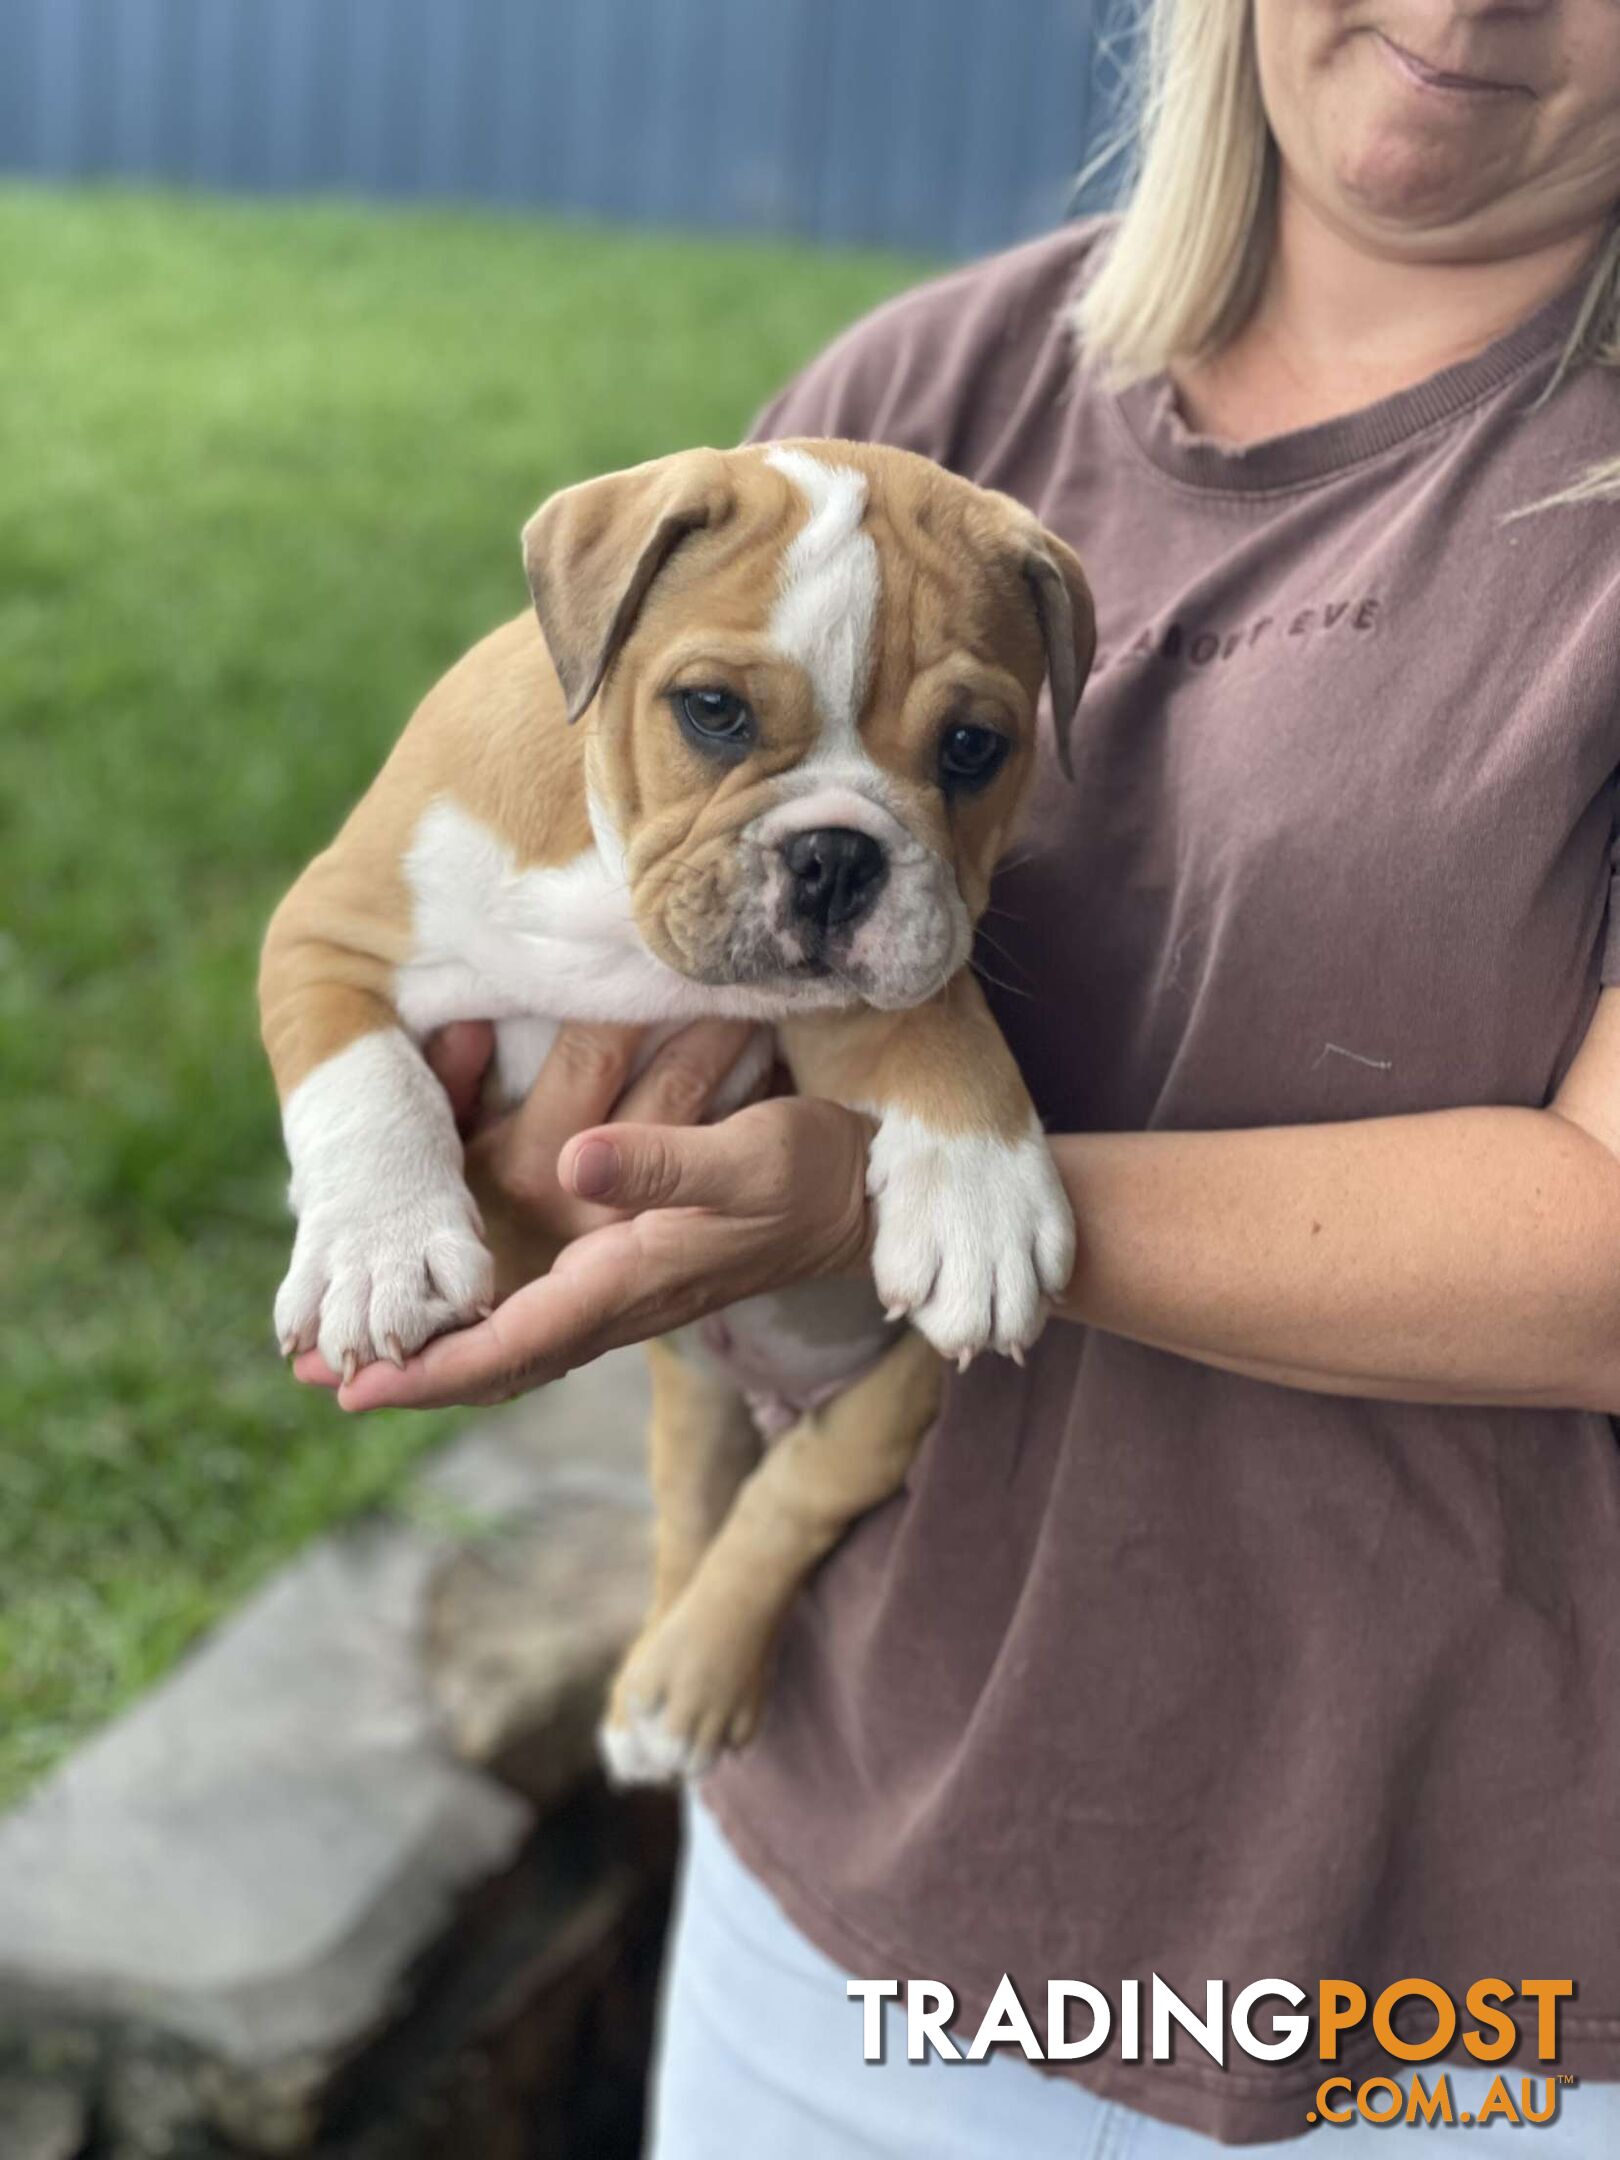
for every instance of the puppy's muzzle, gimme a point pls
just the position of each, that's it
(837, 874)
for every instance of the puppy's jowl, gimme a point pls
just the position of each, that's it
(756, 752)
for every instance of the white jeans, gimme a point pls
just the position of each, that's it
(760, 2055)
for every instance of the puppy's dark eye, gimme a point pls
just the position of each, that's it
(714, 717)
(969, 757)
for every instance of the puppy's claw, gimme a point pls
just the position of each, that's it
(289, 1345)
(351, 1365)
(892, 1313)
(1016, 1352)
(396, 1351)
(964, 1358)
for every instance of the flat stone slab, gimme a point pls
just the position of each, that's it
(41, 2122)
(523, 1633)
(252, 1858)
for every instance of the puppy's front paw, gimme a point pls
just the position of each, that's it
(378, 1279)
(974, 1234)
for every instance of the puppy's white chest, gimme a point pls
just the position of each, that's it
(492, 941)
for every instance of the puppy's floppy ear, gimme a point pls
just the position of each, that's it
(592, 552)
(1068, 627)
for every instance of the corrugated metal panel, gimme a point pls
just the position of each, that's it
(945, 125)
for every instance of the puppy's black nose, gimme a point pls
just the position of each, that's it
(837, 874)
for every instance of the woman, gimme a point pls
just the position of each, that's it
(1269, 1622)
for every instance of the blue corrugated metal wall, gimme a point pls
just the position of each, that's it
(944, 125)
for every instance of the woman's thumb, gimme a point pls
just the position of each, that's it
(652, 1166)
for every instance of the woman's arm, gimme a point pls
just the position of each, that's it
(1457, 1256)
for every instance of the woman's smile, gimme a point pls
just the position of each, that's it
(1445, 127)
(1433, 80)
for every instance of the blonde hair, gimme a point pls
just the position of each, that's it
(1189, 252)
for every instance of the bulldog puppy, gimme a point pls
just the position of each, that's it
(756, 752)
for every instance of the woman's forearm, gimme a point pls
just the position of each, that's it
(1459, 1256)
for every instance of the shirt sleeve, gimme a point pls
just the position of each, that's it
(931, 369)
(856, 390)
(835, 395)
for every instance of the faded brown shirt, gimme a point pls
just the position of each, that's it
(1153, 1668)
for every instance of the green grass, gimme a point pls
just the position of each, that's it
(264, 473)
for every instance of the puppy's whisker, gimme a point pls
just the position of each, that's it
(990, 938)
(1010, 959)
(996, 983)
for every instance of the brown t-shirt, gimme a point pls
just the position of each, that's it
(1152, 1668)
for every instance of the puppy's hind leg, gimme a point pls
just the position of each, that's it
(704, 1444)
(694, 1681)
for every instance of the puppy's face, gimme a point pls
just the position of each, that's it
(810, 673)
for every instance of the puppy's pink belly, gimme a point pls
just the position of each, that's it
(790, 1351)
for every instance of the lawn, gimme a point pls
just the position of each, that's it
(265, 469)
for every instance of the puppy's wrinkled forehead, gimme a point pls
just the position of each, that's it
(888, 564)
(825, 611)
(865, 569)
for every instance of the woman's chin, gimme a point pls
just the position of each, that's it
(1398, 183)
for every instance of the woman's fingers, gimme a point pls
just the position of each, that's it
(588, 1077)
(600, 1300)
(686, 1073)
(458, 1056)
(586, 1071)
(585, 1081)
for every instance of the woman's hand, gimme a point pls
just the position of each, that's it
(668, 1222)
(586, 1080)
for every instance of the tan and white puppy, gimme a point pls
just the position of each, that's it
(808, 675)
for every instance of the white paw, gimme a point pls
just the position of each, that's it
(974, 1234)
(388, 1252)
(379, 1279)
(641, 1748)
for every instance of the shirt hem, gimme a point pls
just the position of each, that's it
(1197, 2097)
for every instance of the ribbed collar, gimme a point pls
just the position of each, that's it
(1308, 454)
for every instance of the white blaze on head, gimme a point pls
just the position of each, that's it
(825, 615)
(825, 619)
